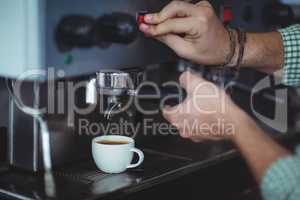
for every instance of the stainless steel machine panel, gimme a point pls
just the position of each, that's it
(33, 33)
(140, 52)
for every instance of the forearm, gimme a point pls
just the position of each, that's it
(259, 150)
(263, 51)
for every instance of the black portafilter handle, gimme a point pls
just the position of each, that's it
(166, 95)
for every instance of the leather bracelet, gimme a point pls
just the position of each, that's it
(233, 44)
(242, 39)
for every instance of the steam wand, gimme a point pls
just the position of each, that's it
(49, 182)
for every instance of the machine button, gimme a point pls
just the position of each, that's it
(227, 15)
(116, 27)
(140, 17)
(68, 59)
(74, 31)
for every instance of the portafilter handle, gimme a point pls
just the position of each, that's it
(115, 84)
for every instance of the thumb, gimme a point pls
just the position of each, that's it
(170, 113)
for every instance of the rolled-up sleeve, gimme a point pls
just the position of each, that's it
(282, 179)
(291, 43)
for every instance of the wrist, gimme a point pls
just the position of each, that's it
(243, 123)
(238, 57)
(232, 44)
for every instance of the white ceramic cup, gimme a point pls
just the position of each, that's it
(115, 158)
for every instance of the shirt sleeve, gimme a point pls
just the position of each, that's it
(298, 150)
(282, 179)
(291, 43)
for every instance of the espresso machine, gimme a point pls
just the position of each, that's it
(64, 56)
(68, 63)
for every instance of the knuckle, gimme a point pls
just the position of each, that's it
(167, 116)
(181, 53)
(153, 30)
(156, 16)
(161, 17)
(160, 28)
(206, 3)
(183, 77)
(176, 4)
(173, 121)
(206, 12)
(205, 20)
(204, 26)
(210, 13)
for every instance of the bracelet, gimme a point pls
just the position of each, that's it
(242, 39)
(233, 44)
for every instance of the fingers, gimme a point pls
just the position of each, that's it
(176, 118)
(189, 81)
(177, 44)
(174, 9)
(169, 114)
(183, 79)
(175, 26)
(197, 140)
(204, 4)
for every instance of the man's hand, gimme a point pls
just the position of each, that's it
(194, 32)
(209, 114)
(206, 114)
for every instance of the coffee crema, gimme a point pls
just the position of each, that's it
(112, 142)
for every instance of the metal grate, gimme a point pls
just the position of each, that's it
(83, 172)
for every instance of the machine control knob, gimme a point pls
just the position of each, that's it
(74, 31)
(140, 17)
(115, 28)
(78, 31)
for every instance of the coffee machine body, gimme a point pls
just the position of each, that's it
(73, 40)
(66, 42)
(77, 37)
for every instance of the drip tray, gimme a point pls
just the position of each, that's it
(84, 172)
(84, 181)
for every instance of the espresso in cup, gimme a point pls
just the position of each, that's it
(113, 154)
(111, 142)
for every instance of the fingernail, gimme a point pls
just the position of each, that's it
(144, 27)
(148, 18)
